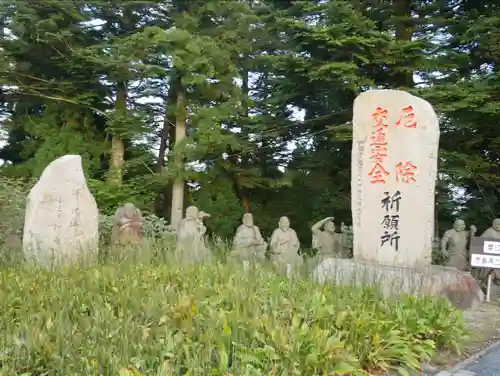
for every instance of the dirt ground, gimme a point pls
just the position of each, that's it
(484, 325)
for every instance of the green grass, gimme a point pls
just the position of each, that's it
(151, 315)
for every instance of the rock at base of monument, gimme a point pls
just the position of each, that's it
(460, 288)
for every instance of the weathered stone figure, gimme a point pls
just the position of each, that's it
(345, 240)
(284, 245)
(323, 240)
(492, 232)
(127, 225)
(455, 244)
(191, 233)
(327, 241)
(248, 243)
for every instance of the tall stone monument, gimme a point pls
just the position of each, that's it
(61, 224)
(394, 167)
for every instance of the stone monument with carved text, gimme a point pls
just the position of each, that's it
(61, 224)
(394, 167)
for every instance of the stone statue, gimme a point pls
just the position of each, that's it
(284, 245)
(455, 244)
(248, 243)
(126, 225)
(345, 240)
(191, 235)
(328, 243)
(492, 232)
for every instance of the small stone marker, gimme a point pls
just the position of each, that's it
(394, 167)
(61, 224)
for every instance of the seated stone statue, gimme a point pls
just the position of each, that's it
(127, 225)
(191, 235)
(248, 244)
(492, 232)
(284, 246)
(455, 245)
(328, 243)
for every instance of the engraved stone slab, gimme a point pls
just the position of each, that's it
(61, 223)
(394, 167)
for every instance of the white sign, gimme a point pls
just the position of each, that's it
(491, 247)
(485, 261)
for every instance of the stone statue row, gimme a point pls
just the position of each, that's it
(455, 244)
(249, 245)
(248, 242)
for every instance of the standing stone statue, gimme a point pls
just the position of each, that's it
(127, 225)
(191, 235)
(345, 240)
(393, 178)
(492, 232)
(284, 245)
(326, 241)
(455, 244)
(61, 224)
(248, 243)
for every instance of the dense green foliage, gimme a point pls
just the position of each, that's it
(152, 317)
(112, 81)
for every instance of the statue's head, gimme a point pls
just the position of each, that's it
(496, 224)
(284, 223)
(248, 219)
(330, 227)
(129, 210)
(192, 212)
(459, 225)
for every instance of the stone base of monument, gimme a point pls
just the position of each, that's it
(460, 288)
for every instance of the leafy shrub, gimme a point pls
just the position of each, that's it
(13, 195)
(155, 227)
(211, 319)
(438, 256)
(109, 197)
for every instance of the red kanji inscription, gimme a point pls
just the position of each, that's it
(378, 137)
(379, 152)
(405, 172)
(407, 119)
(378, 145)
(378, 173)
(380, 115)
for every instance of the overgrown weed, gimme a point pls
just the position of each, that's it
(141, 309)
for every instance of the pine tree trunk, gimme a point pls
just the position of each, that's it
(160, 200)
(178, 185)
(167, 139)
(117, 144)
(163, 144)
(404, 32)
(241, 192)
